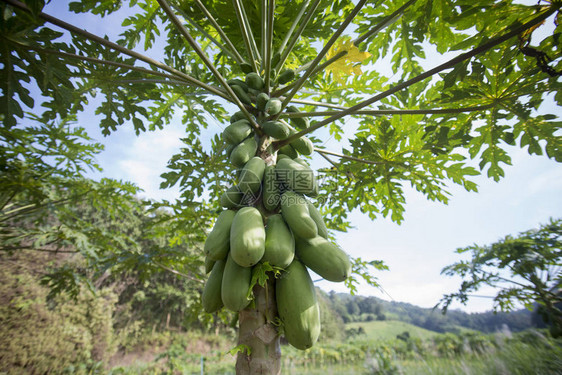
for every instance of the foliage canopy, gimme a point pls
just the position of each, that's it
(481, 104)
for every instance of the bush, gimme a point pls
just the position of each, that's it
(42, 337)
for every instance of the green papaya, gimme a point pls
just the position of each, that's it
(229, 149)
(218, 240)
(298, 306)
(279, 242)
(282, 156)
(246, 68)
(289, 151)
(235, 285)
(295, 212)
(251, 176)
(261, 101)
(317, 217)
(276, 129)
(212, 297)
(325, 258)
(241, 94)
(303, 145)
(209, 263)
(298, 177)
(243, 152)
(275, 59)
(253, 80)
(302, 162)
(270, 196)
(300, 123)
(238, 82)
(237, 116)
(273, 106)
(286, 76)
(254, 93)
(232, 197)
(237, 132)
(247, 237)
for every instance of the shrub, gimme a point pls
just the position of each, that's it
(42, 337)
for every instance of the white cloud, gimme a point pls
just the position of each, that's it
(147, 157)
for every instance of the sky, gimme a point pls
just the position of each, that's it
(417, 250)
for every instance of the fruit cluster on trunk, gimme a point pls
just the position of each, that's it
(268, 218)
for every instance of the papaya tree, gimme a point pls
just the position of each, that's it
(280, 79)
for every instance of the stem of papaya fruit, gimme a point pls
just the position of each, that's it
(259, 334)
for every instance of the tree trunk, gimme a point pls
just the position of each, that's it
(258, 333)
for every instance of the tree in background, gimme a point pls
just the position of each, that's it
(48, 205)
(525, 269)
(424, 130)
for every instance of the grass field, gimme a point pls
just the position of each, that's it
(388, 329)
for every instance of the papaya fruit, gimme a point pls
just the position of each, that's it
(282, 156)
(295, 212)
(298, 306)
(279, 242)
(303, 145)
(270, 195)
(300, 123)
(218, 240)
(273, 106)
(298, 177)
(246, 68)
(235, 285)
(254, 81)
(237, 116)
(301, 162)
(286, 76)
(237, 132)
(211, 297)
(209, 263)
(317, 217)
(314, 191)
(251, 176)
(231, 198)
(243, 152)
(229, 149)
(247, 237)
(254, 93)
(238, 82)
(325, 258)
(289, 151)
(276, 129)
(241, 94)
(261, 101)
(275, 59)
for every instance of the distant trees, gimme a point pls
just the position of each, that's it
(356, 308)
(373, 308)
(49, 205)
(524, 269)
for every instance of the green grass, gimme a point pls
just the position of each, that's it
(385, 330)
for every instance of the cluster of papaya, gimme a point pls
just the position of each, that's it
(267, 218)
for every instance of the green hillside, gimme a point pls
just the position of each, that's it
(388, 330)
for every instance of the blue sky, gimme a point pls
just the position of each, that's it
(415, 251)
